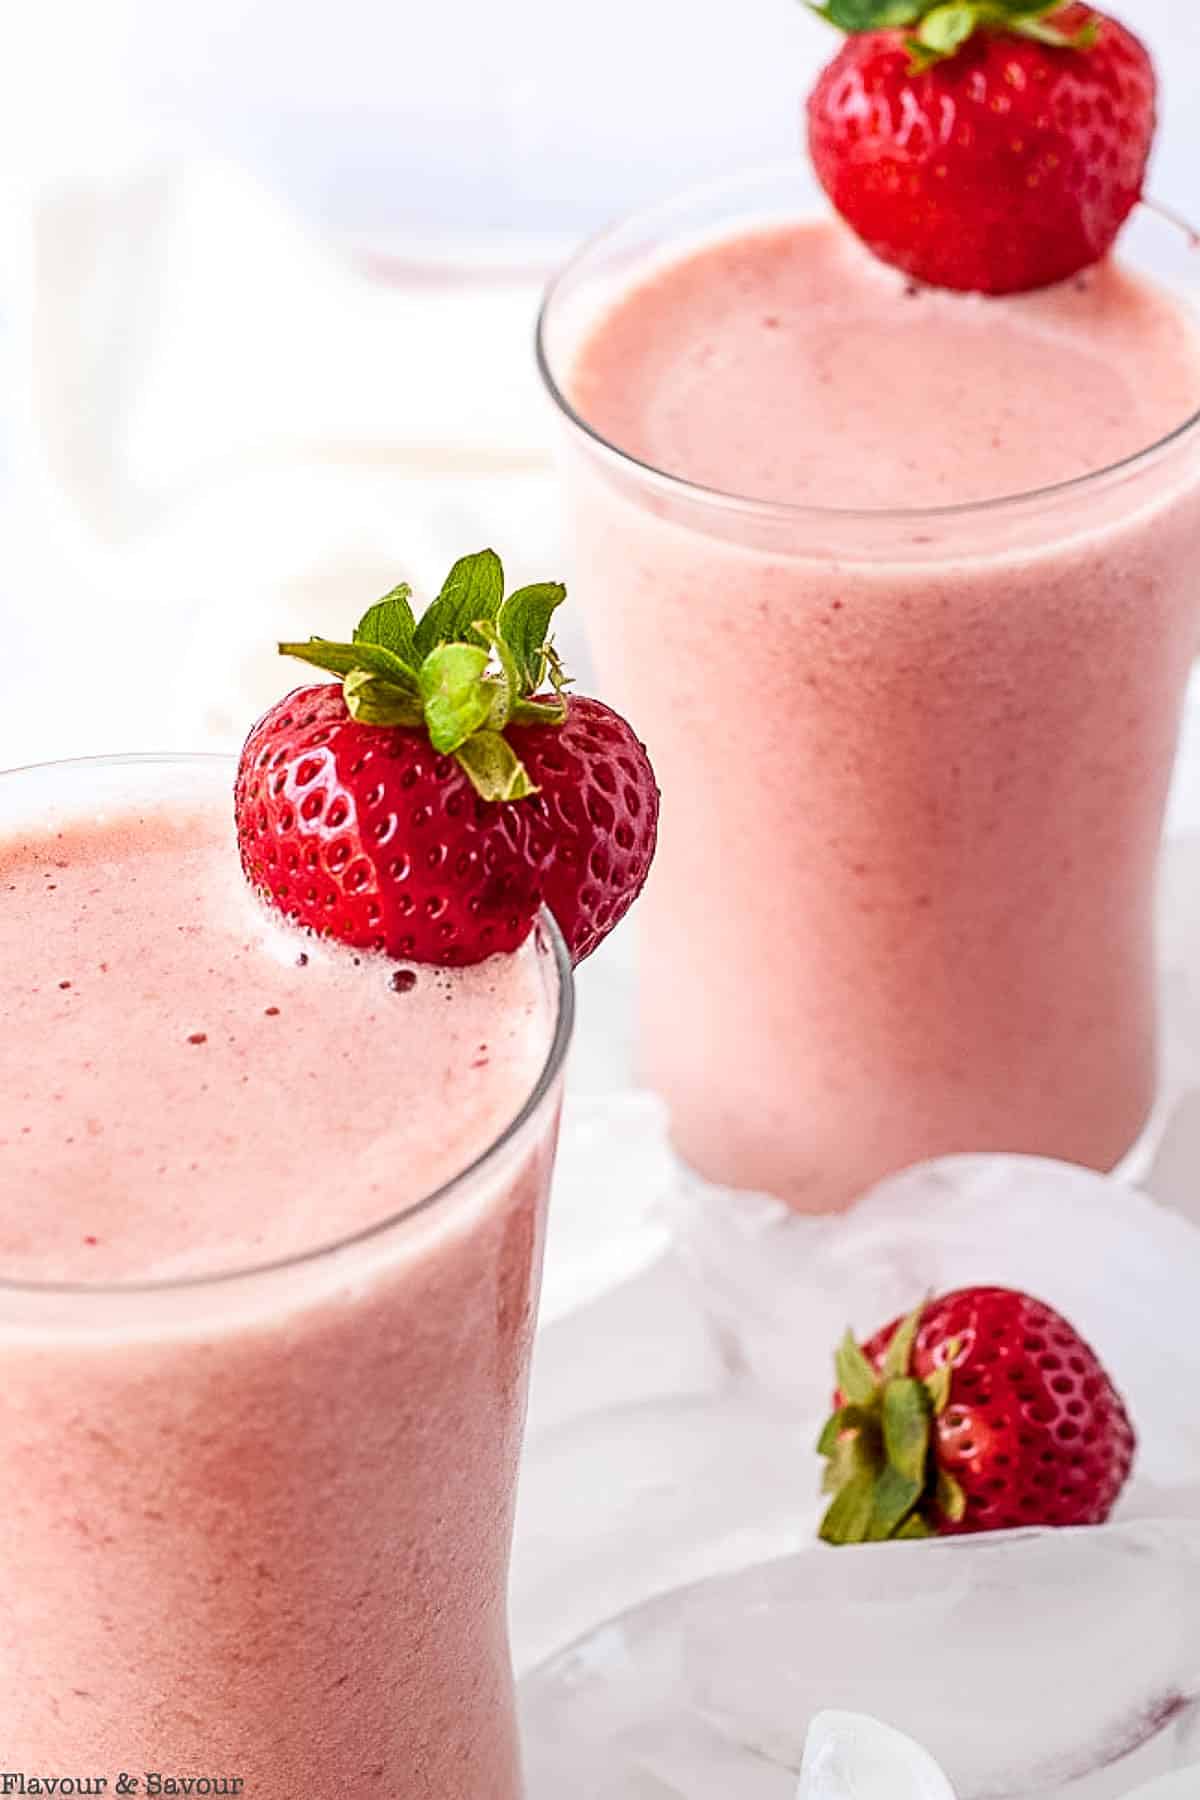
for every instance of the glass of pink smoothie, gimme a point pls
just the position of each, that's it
(271, 1222)
(904, 588)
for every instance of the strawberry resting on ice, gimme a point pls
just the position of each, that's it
(982, 1411)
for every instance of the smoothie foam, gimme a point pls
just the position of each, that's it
(189, 1086)
(258, 1527)
(788, 365)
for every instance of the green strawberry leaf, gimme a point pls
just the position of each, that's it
(472, 593)
(854, 1452)
(372, 700)
(914, 1527)
(951, 1501)
(524, 621)
(390, 623)
(855, 1376)
(946, 29)
(937, 1386)
(943, 27)
(456, 697)
(387, 665)
(335, 659)
(506, 682)
(848, 1518)
(906, 1428)
(555, 672)
(539, 712)
(344, 659)
(1043, 32)
(898, 1359)
(846, 1418)
(831, 1431)
(868, 15)
(466, 670)
(494, 768)
(894, 1498)
(878, 1443)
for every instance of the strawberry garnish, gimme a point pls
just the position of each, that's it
(982, 1411)
(995, 145)
(427, 803)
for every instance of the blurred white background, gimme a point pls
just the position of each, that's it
(268, 276)
(482, 121)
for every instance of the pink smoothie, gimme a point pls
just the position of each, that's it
(256, 1527)
(914, 767)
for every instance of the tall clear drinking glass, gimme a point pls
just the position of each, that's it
(914, 766)
(258, 1521)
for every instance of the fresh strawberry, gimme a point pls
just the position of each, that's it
(982, 1411)
(996, 145)
(428, 803)
(598, 803)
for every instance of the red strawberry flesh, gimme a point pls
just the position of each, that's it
(1010, 165)
(599, 803)
(1032, 1431)
(1035, 1431)
(428, 803)
(365, 835)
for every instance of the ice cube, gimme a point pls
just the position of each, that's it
(636, 1474)
(848, 1756)
(1179, 958)
(1030, 1665)
(619, 1503)
(1174, 1174)
(679, 1385)
(607, 1221)
(1184, 1786)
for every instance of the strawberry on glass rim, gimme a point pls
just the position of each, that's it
(981, 1411)
(994, 146)
(427, 803)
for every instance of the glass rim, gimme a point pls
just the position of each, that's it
(552, 1065)
(719, 499)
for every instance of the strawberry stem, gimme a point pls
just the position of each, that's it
(939, 31)
(471, 665)
(878, 1446)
